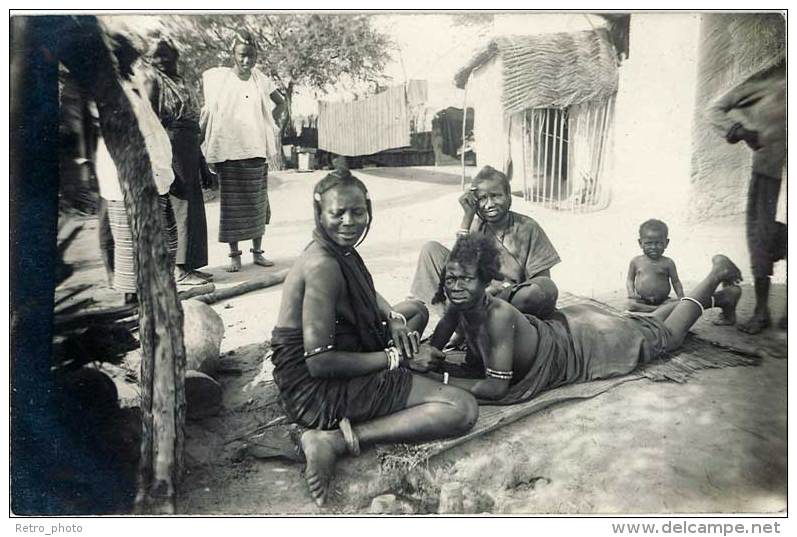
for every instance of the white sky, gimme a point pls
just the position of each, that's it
(429, 46)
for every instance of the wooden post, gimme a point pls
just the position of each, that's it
(465, 122)
(86, 55)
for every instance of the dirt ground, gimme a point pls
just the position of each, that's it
(714, 444)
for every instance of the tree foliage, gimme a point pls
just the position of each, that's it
(313, 51)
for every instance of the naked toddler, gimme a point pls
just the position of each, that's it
(650, 274)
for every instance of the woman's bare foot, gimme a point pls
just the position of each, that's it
(759, 322)
(235, 262)
(726, 299)
(725, 270)
(257, 255)
(321, 450)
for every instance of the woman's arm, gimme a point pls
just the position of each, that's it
(397, 324)
(498, 363)
(444, 330)
(323, 284)
(277, 97)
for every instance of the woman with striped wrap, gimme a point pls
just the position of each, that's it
(239, 136)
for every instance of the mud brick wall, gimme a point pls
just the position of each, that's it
(732, 46)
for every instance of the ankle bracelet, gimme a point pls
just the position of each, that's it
(695, 301)
(352, 442)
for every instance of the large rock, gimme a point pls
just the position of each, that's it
(202, 395)
(89, 390)
(203, 331)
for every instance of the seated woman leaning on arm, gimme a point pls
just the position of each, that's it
(512, 357)
(337, 369)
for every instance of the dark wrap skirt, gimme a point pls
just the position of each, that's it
(315, 402)
(245, 209)
(186, 195)
(579, 343)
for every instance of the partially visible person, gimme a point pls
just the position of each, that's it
(239, 138)
(346, 363)
(525, 253)
(179, 115)
(755, 112)
(650, 274)
(513, 357)
(160, 156)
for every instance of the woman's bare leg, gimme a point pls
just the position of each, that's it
(538, 298)
(641, 307)
(257, 253)
(235, 258)
(416, 313)
(433, 411)
(685, 313)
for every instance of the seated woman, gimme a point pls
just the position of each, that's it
(524, 252)
(514, 357)
(337, 369)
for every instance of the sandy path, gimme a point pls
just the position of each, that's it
(716, 444)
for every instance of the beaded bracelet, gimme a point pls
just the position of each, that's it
(318, 350)
(399, 316)
(497, 374)
(393, 358)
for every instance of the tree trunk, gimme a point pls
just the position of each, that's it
(288, 120)
(163, 358)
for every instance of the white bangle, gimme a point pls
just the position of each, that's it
(445, 377)
(393, 358)
(463, 232)
(397, 315)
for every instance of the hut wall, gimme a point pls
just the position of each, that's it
(484, 95)
(653, 115)
(732, 46)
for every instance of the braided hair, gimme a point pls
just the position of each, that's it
(475, 249)
(342, 176)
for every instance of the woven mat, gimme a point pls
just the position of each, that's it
(695, 354)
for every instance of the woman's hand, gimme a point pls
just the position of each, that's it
(426, 358)
(469, 204)
(496, 288)
(405, 340)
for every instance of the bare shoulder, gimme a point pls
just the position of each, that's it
(640, 260)
(669, 261)
(501, 316)
(317, 267)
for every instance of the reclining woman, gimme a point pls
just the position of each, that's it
(337, 369)
(512, 357)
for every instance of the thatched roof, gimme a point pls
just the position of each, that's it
(550, 70)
